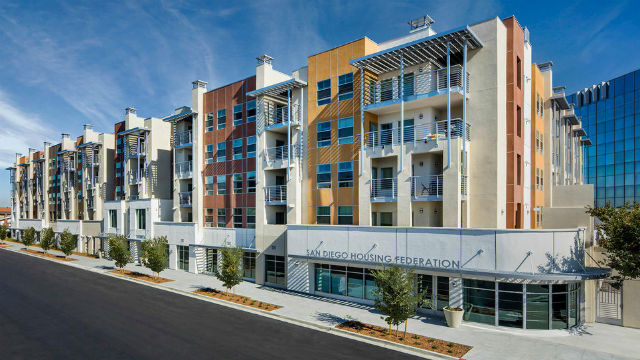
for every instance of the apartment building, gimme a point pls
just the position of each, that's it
(416, 151)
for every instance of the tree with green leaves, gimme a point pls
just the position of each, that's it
(154, 254)
(3, 232)
(119, 251)
(46, 239)
(29, 237)
(68, 242)
(230, 269)
(620, 238)
(396, 295)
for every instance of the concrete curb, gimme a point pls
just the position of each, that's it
(304, 323)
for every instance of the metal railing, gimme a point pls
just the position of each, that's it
(281, 152)
(90, 204)
(184, 169)
(414, 84)
(427, 185)
(185, 198)
(276, 193)
(134, 178)
(182, 138)
(416, 133)
(386, 188)
(93, 160)
(464, 184)
(277, 116)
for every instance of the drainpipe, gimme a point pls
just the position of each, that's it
(464, 106)
(447, 83)
(361, 117)
(288, 133)
(401, 112)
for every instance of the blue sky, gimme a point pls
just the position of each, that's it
(68, 63)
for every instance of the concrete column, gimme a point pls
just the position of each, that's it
(364, 194)
(173, 256)
(451, 178)
(404, 190)
(193, 264)
(455, 292)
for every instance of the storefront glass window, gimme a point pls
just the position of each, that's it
(425, 285)
(249, 264)
(510, 309)
(559, 316)
(369, 285)
(338, 280)
(442, 292)
(574, 304)
(355, 282)
(183, 258)
(275, 269)
(479, 301)
(323, 278)
(537, 306)
(211, 264)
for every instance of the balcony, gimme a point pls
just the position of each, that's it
(90, 204)
(183, 138)
(134, 178)
(275, 195)
(384, 190)
(277, 117)
(281, 153)
(185, 198)
(426, 188)
(416, 86)
(184, 170)
(464, 186)
(421, 133)
(92, 160)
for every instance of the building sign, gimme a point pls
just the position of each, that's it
(385, 259)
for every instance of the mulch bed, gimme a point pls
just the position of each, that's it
(417, 341)
(238, 299)
(85, 255)
(49, 255)
(141, 276)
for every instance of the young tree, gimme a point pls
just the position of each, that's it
(230, 270)
(119, 251)
(29, 237)
(620, 238)
(154, 254)
(396, 295)
(3, 232)
(68, 242)
(46, 239)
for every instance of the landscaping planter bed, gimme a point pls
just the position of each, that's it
(85, 255)
(49, 255)
(238, 299)
(413, 340)
(140, 276)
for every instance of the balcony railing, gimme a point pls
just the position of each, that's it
(416, 133)
(93, 160)
(384, 189)
(134, 178)
(277, 116)
(464, 185)
(414, 84)
(185, 198)
(428, 185)
(278, 153)
(182, 138)
(184, 169)
(275, 194)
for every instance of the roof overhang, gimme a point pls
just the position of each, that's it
(38, 160)
(561, 100)
(23, 164)
(586, 141)
(91, 143)
(134, 131)
(65, 152)
(11, 168)
(431, 48)
(278, 90)
(571, 119)
(579, 132)
(181, 116)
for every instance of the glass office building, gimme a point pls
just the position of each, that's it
(610, 113)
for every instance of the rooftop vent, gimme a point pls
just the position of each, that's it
(65, 136)
(264, 59)
(88, 126)
(130, 110)
(545, 66)
(421, 23)
(199, 84)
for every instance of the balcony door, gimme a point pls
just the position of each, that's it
(386, 133)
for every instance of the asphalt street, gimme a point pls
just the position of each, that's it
(53, 311)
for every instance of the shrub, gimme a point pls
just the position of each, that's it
(154, 254)
(230, 271)
(29, 237)
(68, 242)
(3, 231)
(46, 239)
(118, 251)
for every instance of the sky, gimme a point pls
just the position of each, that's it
(68, 63)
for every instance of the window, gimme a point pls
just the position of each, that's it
(222, 152)
(537, 306)
(519, 121)
(386, 219)
(324, 133)
(479, 300)
(209, 122)
(208, 185)
(237, 114)
(113, 219)
(221, 180)
(324, 92)
(345, 86)
(237, 217)
(519, 166)
(222, 217)
(183, 257)
(345, 215)
(541, 180)
(208, 217)
(211, 260)
(323, 215)
(275, 269)
(251, 182)
(141, 219)
(248, 265)
(537, 179)
(251, 218)
(519, 72)
(237, 183)
(323, 175)
(510, 307)
(208, 154)
(251, 111)
(345, 174)
(222, 119)
(237, 149)
(251, 146)
(341, 280)
(345, 130)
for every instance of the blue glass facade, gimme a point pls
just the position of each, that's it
(610, 115)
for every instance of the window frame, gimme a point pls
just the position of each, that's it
(237, 120)
(251, 111)
(238, 179)
(221, 115)
(234, 149)
(223, 190)
(326, 141)
(326, 217)
(342, 217)
(223, 150)
(321, 89)
(251, 180)
(345, 183)
(252, 145)
(342, 84)
(345, 139)
(321, 169)
(208, 124)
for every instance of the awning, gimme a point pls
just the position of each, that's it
(585, 141)
(431, 48)
(178, 117)
(561, 100)
(279, 89)
(579, 132)
(135, 130)
(571, 119)
(88, 144)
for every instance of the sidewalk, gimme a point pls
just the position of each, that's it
(594, 341)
